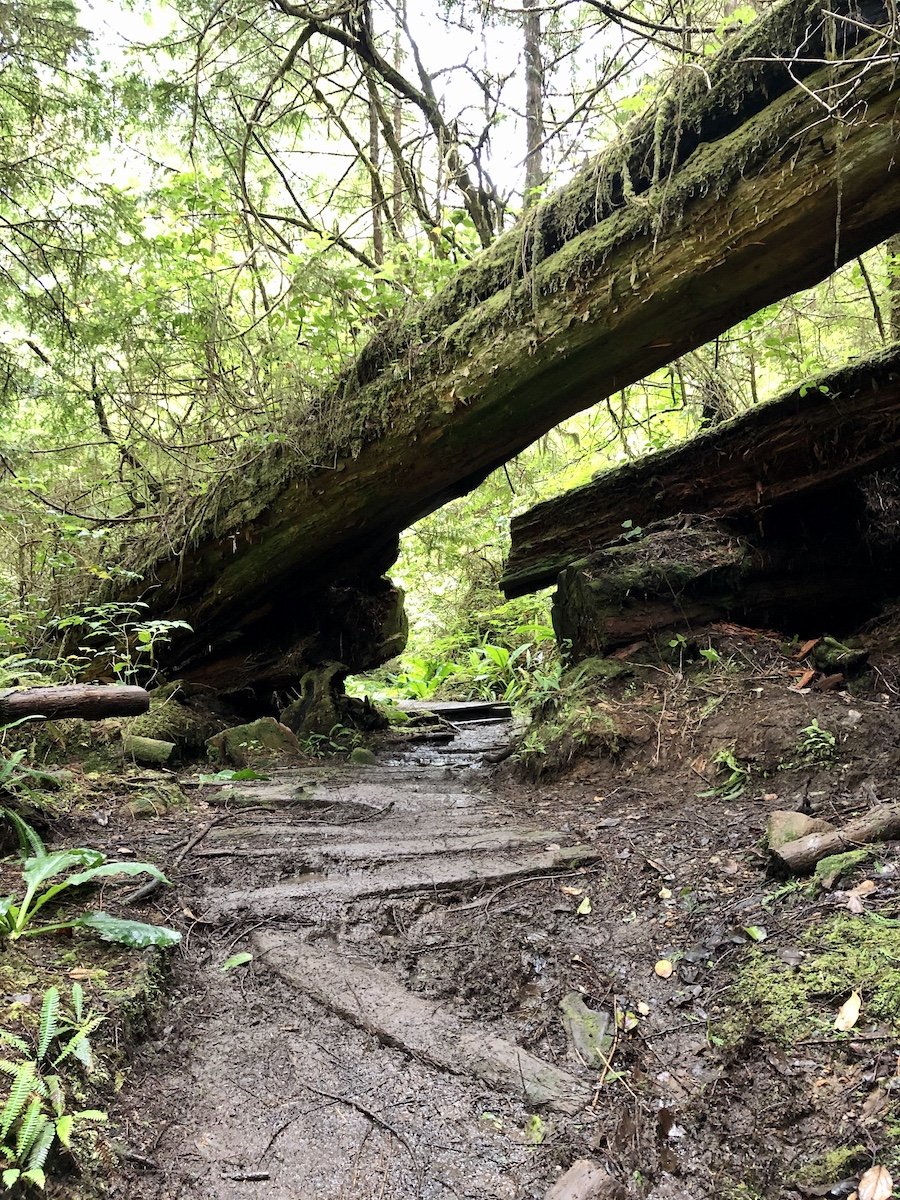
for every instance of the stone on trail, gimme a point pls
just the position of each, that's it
(259, 741)
(150, 751)
(373, 1000)
(586, 1180)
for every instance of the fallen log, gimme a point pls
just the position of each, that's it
(880, 824)
(91, 702)
(824, 433)
(689, 571)
(635, 262)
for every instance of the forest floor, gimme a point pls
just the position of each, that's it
(462, 983)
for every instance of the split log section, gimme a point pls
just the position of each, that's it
(649, 252)
(773, 518)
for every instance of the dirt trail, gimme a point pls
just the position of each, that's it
(452, 991)
(311, 1073)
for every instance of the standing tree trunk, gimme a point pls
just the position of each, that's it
(534, 103)
(893, 248)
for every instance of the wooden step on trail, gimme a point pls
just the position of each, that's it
(373, 1000)
(307, 895)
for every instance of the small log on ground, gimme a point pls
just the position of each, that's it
(150, 751)
(842, 426)
(880, 824)
(90, 702)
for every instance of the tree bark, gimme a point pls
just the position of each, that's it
(534, 103)
(88, 701)
(604, 282)
(823, 433)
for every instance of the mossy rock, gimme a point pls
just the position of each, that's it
(362, 756)
(595, 670)
(257, 742)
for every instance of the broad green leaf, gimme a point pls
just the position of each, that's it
(38, 869)
(100, 872)
(136, 934)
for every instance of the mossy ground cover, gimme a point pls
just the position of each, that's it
(836, 956)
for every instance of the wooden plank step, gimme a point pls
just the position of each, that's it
(373, 1000)
(305, 896)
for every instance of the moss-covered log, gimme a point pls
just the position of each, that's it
(810, 440)
(657, 246)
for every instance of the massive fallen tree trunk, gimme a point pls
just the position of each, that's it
(657, 246)
(820, 435)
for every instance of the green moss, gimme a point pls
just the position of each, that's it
(843, 954)
(830, 869)
(834, 1165)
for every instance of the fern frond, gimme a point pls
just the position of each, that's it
(50, 1026)
(20, 1090)
(77, 1001)
(30, 1127)
(55, 1094)
(41, 1147)
(11, 1039)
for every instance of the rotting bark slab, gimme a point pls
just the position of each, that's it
(373, 1000)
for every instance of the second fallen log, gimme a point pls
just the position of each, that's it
(90, 701)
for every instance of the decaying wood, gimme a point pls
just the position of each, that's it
(817, 436)
(629, 266)
(373, 1000)
(880, 824)
(90, 702)
(811, 566)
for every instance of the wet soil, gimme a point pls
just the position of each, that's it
(417, 927)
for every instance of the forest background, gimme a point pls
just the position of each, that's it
(207, 209)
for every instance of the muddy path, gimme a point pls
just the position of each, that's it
(452, 994)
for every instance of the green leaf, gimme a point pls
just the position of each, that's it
(49, 1026)
(29, 840)
(237, 960)
(11, 1176)
(584, 908)
(99, 872)
(64, 1127)
(136, 934)
(756, 933)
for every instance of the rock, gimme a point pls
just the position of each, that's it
(147, 750)
(361, 755)
(830, 869)
(787, 826)
(145, 807)
(258, 741)
(587, 1030)
(586, 1180)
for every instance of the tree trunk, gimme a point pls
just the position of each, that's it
(88, 701)
(534, 103)
(893, 249)
(604, 282)
(823, 433)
